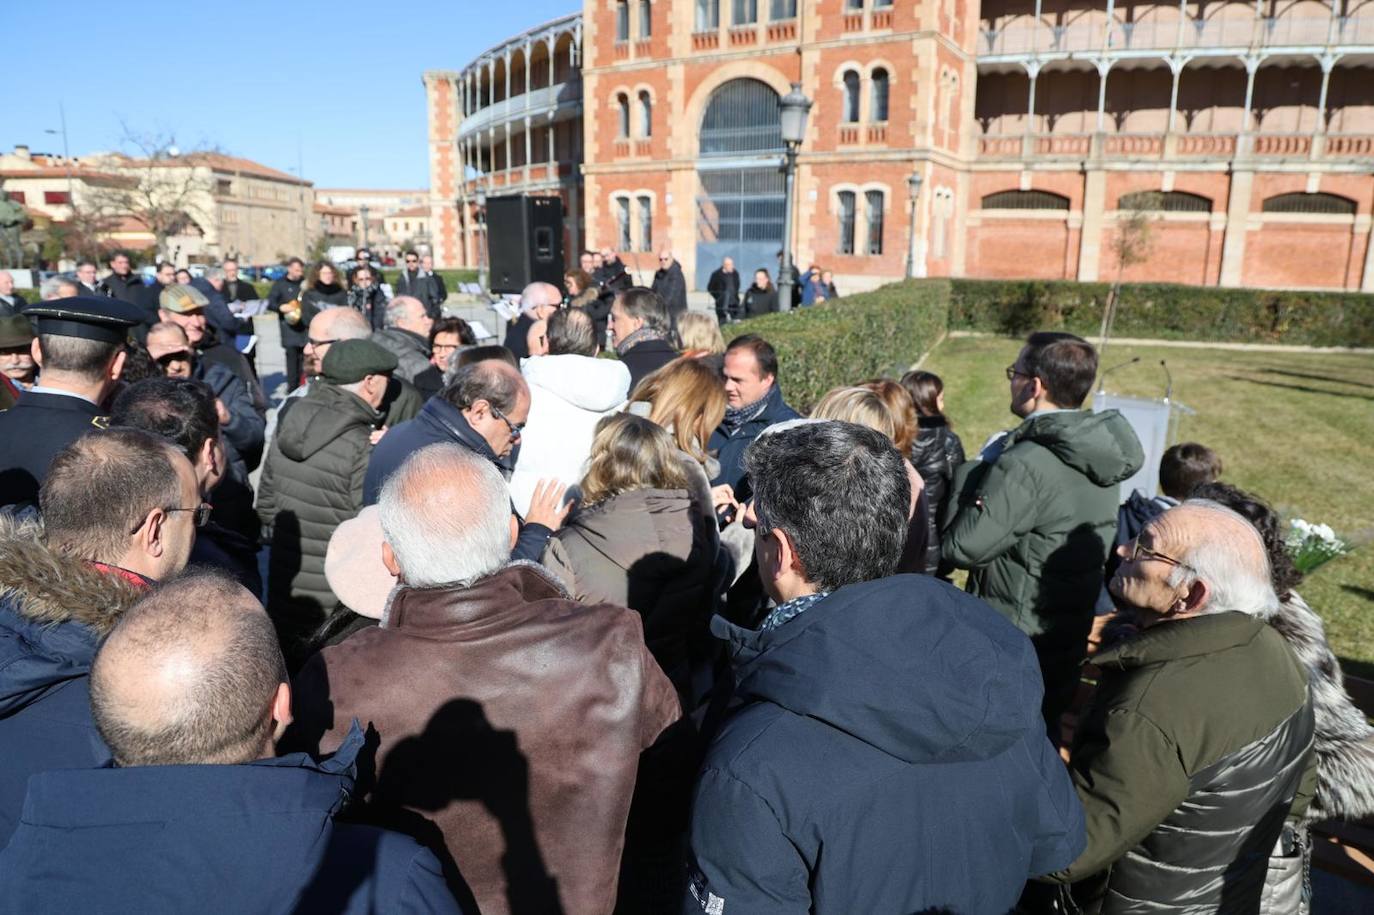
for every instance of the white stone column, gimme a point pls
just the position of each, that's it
(529, 147)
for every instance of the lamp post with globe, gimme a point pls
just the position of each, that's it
(795, 107)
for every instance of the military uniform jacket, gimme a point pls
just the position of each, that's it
(31, 434)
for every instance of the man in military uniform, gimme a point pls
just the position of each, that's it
(80, 355)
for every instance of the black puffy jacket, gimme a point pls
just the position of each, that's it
(935, 454)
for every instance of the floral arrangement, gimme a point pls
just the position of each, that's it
(1313, 545)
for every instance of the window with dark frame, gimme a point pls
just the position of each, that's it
(646, 18)
(646, 114)
(623, 223)
(646, 224)
(622, 20)
(873, 200)
(708, 15)
(624, 105)
(847, 203)
(878, 108)
(851, 97)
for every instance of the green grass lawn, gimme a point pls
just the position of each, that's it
(1294, 428)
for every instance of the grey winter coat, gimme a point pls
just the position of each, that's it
(411, 350)
(312, 482)
(652, 550)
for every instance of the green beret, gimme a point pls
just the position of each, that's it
(352, 360)
(15, 331)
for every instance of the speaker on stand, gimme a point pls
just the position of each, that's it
(524, 241)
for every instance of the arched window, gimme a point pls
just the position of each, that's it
(646, 224)
(873, 200)
(1165, 202)
(622, 220)
(742, 117)
(624, 105)
(847, 205)
(878, 109)
(1025, 200)
(851, 97)
(646, 18)
(622, 20)
(1325, 204)
(646, 114)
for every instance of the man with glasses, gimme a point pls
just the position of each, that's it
(484, 409)
(120, 509)
(312, 482)
(414, 281)
(361, 258)
(1199, 737)
(1032, 519)
(670, 285)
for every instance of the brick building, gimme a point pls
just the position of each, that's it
(1244, 130)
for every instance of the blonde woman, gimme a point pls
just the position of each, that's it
(862, 406)
(638, 539)
(700, 336)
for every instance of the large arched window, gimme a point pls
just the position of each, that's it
(1025, 200)
(1323, 204)
(742, 117)
(851, 97)
(878, 109)
(623, 104)
(646, 224)
(646, 114)
(1165, 202)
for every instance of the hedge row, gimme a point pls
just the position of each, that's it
(1165, 311)
(872, 334)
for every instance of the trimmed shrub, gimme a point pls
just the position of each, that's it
(1165, 311)
(878, 333)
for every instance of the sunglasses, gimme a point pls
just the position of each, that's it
(167, 359)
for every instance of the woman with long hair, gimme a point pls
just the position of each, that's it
(321, 290)
(864, 407)
(937, 452)
(580, 289)
(762, 297)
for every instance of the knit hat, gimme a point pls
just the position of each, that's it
(353, 360)
(353, 564)
(15, 331)
(181, 299)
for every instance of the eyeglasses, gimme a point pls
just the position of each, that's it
(200, 516)
(1013, 372)
(1140, 551)
(319, 343)
(515, 428)
(167, 359)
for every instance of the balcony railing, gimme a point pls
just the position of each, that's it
(1283, 31)
(1161, 146)
(537, 101)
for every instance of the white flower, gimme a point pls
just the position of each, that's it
(1325, 532)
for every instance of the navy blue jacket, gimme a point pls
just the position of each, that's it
(729, 447)
(259, 837)
(440, 422)
(888, 756)
(31, 434)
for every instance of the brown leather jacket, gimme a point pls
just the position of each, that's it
(511, 721)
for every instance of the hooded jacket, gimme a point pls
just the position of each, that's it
(312, 482)
(1034, 527)
(1187, 763)
(654, 551)
(259, 837)
(54, 610)
(888, 756)
(410, 349)
(511, 721)
(568, 396)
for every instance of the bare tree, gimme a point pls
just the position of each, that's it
(1131, 244)
(167, 195)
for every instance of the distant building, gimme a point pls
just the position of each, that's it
(380, 204)
(409, 227)
(1244, 130)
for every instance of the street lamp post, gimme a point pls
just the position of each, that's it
(481, 199)
(362, 211)
(913, 186)
(795, 108)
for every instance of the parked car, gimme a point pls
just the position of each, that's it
(274, 272)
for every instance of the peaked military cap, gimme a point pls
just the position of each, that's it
(87, 317)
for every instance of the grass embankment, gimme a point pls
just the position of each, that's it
(1294, 428)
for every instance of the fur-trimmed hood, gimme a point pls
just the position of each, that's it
(54, 610)
(1344, 740)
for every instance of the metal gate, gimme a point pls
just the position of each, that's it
(740, 191)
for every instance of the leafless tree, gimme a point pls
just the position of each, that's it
(1131, 244)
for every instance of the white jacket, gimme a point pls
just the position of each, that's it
(568, 395)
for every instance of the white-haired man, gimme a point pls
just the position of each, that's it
(511, 718)
(406, 335)
(537, 302)
(1200, 735)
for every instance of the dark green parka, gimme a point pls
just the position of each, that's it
(312, 482)
(1034, 526)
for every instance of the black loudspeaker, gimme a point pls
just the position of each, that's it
(524, 241)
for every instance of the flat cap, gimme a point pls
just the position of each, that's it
(87, 317)
(181, 299)
(15, 330)
(352, 360)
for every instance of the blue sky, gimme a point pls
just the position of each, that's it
(254, 78)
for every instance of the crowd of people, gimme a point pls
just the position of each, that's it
(596, 621)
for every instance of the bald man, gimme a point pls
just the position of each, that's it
(537, 302)
(1200, 735)
(484, 409)
(190, 693)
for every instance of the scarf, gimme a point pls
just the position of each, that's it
(736, 417)
(645, 333)
(791, 610)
